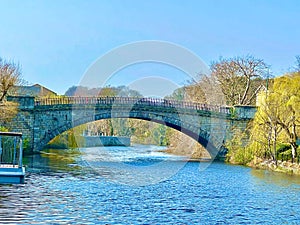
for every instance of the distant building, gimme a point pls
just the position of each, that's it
(35, 90)
(261, 93)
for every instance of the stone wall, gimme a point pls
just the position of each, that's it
(245, 112)
(23, 123)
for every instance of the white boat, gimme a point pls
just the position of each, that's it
(11, 155)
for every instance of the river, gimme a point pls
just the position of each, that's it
(140, 185)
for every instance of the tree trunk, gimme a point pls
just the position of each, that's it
(294, 151)
(111, 131)
(242, 101)
(274, 146)
(269, 141)
(294, 138)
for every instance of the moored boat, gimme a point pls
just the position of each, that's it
(11, 155)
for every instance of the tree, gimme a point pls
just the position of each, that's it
(108, 92)
(239, 78)
(266, 128)
(10, 76)
(239, 150)
(77, 91)
(286, 92)
(297, 66)
(277, 121)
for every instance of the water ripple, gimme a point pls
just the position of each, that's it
(222, 194)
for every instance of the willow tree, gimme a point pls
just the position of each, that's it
(286, 92)
(277, 120)
(239, 78)
(265, 128)
(10, 76)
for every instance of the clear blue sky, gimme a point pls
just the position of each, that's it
(55, 41)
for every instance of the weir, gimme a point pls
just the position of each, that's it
(98, 141)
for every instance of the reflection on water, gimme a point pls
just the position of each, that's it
(74, 187)
(276, 178)
(54, 159)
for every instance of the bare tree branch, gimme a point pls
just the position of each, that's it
(239, 78)
(10, 76)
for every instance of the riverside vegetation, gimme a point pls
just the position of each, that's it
(272, 139)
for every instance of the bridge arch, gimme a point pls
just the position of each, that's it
(192, 130)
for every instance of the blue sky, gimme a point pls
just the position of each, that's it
(56, 41)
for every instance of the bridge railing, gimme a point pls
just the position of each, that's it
(166, 103)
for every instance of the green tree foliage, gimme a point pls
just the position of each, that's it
(266, 130)
(3, 129)
(276, 126)
(178, 94)
(239, 150)
(108, 91)
(121, 127)
(146, 132)
(69, 139)
(286, 94)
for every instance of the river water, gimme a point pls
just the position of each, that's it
(140, 185)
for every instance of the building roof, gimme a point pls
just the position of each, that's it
(35, 90)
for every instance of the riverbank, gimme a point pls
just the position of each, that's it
(282, 166)
(91, 141)
(192, 154)
(256, 163)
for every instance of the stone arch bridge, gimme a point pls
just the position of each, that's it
(41, 119)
